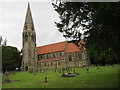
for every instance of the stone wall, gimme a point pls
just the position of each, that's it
(51, 55)
(75, 59)
(52, 64)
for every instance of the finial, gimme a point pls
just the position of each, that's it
(28, 4)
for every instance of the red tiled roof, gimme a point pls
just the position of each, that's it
(70, 47)
(50, 59)
(51, 48)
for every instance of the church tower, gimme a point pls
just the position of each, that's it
(29, 52)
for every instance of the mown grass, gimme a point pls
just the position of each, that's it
(0, 80)
(105, 77)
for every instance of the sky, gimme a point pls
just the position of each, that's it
(12, 17)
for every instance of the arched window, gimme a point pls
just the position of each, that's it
(26, 37)
(60, 54)
(38, 57)
(58, 63)
(46, 55)
(70, 58)
(53, 54)
(33, 37)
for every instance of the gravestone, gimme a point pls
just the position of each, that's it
(46, 79)
(5, 77)
(6, 80)
(34, 73)
(60, 71)
(73, 70)
(87, 69)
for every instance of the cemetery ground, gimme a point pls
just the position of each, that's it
(104, 77)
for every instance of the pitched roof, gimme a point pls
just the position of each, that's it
(70, 47)
(51, 48)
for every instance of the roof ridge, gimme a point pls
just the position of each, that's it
(51, 44)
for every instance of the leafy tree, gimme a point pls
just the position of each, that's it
(100, 23)
(73, 18)
(11, 58)
(104, 31)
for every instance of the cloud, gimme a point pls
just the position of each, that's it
(44, 16)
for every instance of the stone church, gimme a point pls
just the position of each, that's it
(53, 56)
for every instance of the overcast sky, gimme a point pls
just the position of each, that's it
(12, 17)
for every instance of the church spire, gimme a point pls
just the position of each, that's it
(29, 57)
(28, 19)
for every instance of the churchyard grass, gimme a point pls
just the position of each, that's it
(105, 77)
(0, 80)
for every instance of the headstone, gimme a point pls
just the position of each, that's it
(60, 71)
(46, 79)
(34, 73)
(98, 66)
(73, 70)
(55, 70)
(5, 77)
(87, 69)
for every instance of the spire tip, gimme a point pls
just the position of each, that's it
(28, 4)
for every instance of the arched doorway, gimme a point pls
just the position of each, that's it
(26, 68)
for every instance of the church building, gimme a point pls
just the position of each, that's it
(61, 55)
(53, 56)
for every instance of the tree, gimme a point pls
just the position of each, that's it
(11, 58)
(104, 31)
(3, 43)
(99, 21)
(73, 18)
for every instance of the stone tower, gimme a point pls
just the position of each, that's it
(29, 52)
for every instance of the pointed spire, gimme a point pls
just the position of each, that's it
(28, 14)
(28, 6)
(28, 19)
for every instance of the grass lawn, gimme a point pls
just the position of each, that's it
(0, 81)
(105, 77)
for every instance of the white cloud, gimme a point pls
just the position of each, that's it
(13, 16)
